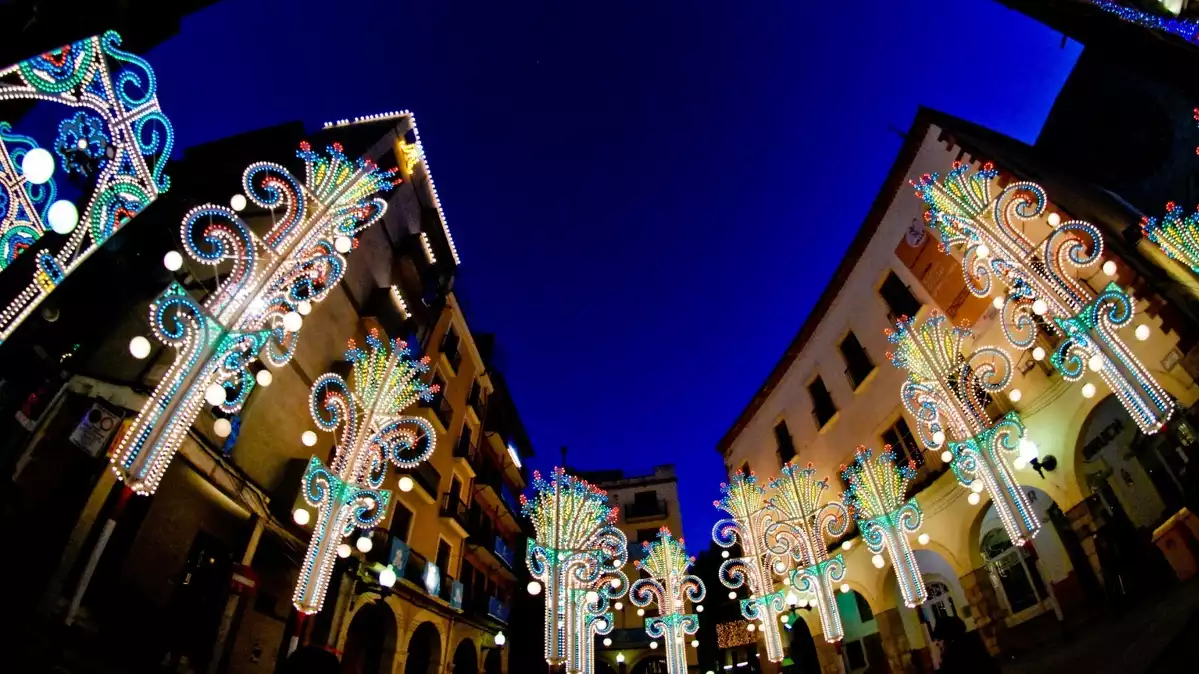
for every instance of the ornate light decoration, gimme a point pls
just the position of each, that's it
(946, 391)
(1187, 29)
(670, 585)
(876, 498)
(256, 305)
(750, 517)
(1177, 234)
(1038, 280)
(577, 556)
(373, 431)
(105, 165)
(804, 520)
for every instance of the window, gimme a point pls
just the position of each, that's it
(899, 436)
(857, 362)
(464, 440)
(864, 611)
(782, 437)
(443, 556)
(823, 407)
(647, 535)
(898, 297)
(745, 468)
(451, 347)
(441, 406)
(456, 488)
(401, 522)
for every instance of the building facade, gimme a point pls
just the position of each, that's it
(201, 573)
(1110, 488)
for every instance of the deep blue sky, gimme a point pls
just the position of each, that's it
(647, 196)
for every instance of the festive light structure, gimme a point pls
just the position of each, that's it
(946, 390)
(256, 306)
(804, 520)
(373, 431)
(1187, 29)
(670, 585)
(577, 556)
(1039, 282)
(1177, 234)
(876, 498)
(750, 517)
(104, 166)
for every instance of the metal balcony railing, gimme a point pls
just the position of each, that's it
(658, 509)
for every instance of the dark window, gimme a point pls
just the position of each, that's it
(443, 556)
(647, 535)
(823, 407)
(456, 488)
(440, 406)
(475, 399)
(464, 439)
(645, 499)
(898, 297)
(899, 436)
(863, 608)
(451, 347)
(745, 468)
(857, 362)
(401, 522)
(782, 437)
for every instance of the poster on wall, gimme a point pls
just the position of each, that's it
(96, 428)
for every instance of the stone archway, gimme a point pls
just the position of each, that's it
(493, 662)
(802, 646)
(370, 641)
(862, 646)
(424, 650)
(466, 659)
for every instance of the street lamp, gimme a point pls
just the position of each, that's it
(500, 639)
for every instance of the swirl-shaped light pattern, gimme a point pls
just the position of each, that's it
(263, 280)
(876, 497)
(348, 494)
(1041, 278)
(577, 553)
(112, 142)
(666, 562)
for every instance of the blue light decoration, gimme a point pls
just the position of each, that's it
(1187, 29)
(1176, 233)
(109, 154)
(799, 533)
(266, 283)
(374, 431)
(576, 555)
(876, 498)
(671, 586)
(946, 394)
(750, 517)
(1039, 283)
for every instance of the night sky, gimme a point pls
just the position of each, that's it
(647, 196)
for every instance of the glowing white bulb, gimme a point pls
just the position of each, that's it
(1015, 395)
(615, 583)
(653, 645)
(1088, 390)
(172, 260)
(500, 639)
(973, 498)
(264, 378)
(619, 606)
(846, 545)
(387, 577)
(923, 539)
(844, 588)
(1109, 267)
(1054, 219)
(997, 302)
(946, 456)
(1039, 307)
(751, 627)
(63, 216)
(140, 347)
(301, 516)
(215, 394)
(1095, 362)
(534, 588)
(699, 608)
(222, 428)
(1142, 332)
(344, 550)
(1038, 353)
(792, 599)
(308, 438)
(364, 544)
(977, 486)
(37, 165)
(292, 321)
(938, 437)
(724, 554)
(783, 617)
(237, 202)
(695, 643)
(591, 597)
(619, 658)
(877, 561)
(640, 612)
(607, 641)
(304, 307)
(984, 250)
(1028, 448)
(406, 483)
(342, 244)
(1019, 463)
(732, 595)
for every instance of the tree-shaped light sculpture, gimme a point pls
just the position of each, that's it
(877, 487)
(803, 522)
(945, 393)
(670, 585)
(372, 431)
(271, 281)
(576, 556)
(750, 516)
(104, 165)
(1177, 234)
(1039, 282)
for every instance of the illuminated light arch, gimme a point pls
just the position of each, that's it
(113, 139)
(671, 586)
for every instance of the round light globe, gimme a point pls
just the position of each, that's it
(619, 658)
(1039, 307)
(264, 378)
(653, 645)
(923, 538)
(292, 321)
(37, 165)
(724, 554)
(222, 428)
(592, 597)
(63, 216)
(844, 588)
(1054, 219)
(364, 544)
(973, 498)
(304, 307)
(607, 641)
(238, 202)
(977, 486)
(1109, 267)
(846, 545)
(344, 550)
(699, 608)
(342, 244)
(140, 347)
(1142, 332)
(947, 456)
(732, 595)
(172, 260)
(308, 438)
(695, 643)
(1095, 362)
(640, 612)
(619, 606)
(301, 516)
(215, 394)
(500, 639)
(984, 250)
(1019, 463)
(939, 437)
(877, 561)
(1088, 390)
(533, 588)
(751, 627)
(406, 483)
(1038, 353)
(997, 302)
(1015, 395)
(387, 577)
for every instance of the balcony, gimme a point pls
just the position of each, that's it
(501, 554)
(638, 511)
(455, 512)
(475, 402)
(467, 455)
(426, 576)
(427, 481)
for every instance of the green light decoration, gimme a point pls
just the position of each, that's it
(670, 585)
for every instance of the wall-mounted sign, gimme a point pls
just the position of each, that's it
(96, 429)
